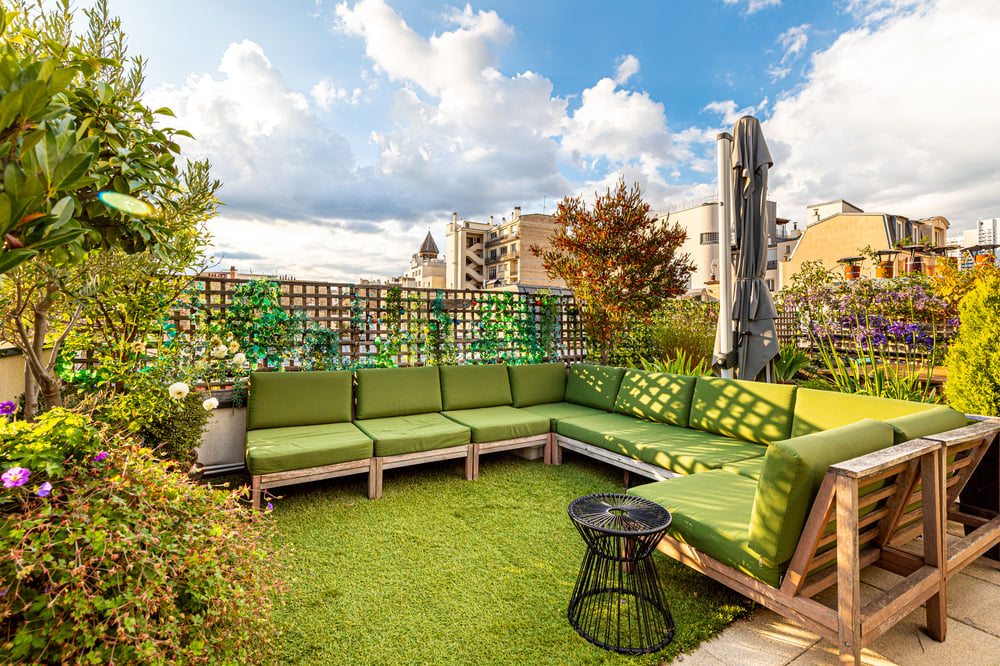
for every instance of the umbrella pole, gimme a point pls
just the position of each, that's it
(724, 333)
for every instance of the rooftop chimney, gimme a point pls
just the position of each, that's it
(232, 272)
(454, 218)
(517, 213)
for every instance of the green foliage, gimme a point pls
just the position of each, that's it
(124, 561)
(72, 125)
(175, 433)
(438, 341)
(515, 328)
(681, 364)
(619, 261)
(973, 383)
(262, 327)
(869, 372)
(678, 326)
(793, 360)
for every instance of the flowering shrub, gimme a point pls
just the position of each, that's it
(110, 558)
(875, 337)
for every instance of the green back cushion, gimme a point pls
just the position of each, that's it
(397, 391)
(594, 385)
(280, 399)
(930, 422)
(752, 411)
(790, 478)
(474, 386)
(821, 410)
(657, 396)
(537, 383)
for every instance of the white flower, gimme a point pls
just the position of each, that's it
(178, 390)
(139, 346)
(234, 347)
(239, 359)
(219, 351)
(210, 404)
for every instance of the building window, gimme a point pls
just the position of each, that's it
(493, 255)
(770, 285)
(503, 250)
(493, 273)
(710, 238)
(772, 264)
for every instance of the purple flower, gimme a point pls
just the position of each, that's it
(100, 456)
(6, 408)
(15, 476)
(270, 506)
(44, 489)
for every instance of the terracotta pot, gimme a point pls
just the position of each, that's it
(885, 269)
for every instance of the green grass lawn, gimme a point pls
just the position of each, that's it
(447, 571)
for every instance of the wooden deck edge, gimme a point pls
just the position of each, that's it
(631, 464)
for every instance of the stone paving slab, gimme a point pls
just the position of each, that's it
(768, 639)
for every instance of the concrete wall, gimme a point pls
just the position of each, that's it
(12, 374)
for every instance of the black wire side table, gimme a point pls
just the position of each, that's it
(617, 603)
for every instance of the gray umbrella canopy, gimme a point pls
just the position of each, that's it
(753, 308)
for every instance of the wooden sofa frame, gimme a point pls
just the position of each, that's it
(376, 465)
(866, 509)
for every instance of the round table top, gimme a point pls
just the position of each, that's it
(622, 515)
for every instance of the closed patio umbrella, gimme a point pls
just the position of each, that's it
(753, 308)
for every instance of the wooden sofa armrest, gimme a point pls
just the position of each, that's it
(876, 462)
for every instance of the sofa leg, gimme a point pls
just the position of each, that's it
(255, 492)
(472, 462)
(375, 478)
(627, 480)
(556, 454)
(547, 451)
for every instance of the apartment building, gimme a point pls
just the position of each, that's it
(836, 230)
(700, 219)
(497, 256)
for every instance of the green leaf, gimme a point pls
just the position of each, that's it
(12, 258)
(70, 170)
(57, 238)
(164, 111)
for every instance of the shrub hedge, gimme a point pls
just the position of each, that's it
(108, 557)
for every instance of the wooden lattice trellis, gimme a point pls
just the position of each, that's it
(359, 312)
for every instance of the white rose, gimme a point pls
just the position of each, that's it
(210, 404)
(178, 390)
(220, 351)
(239, 359)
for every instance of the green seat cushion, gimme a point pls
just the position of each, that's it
(754, 411)
(491, 424)
(385, 392)
(790, 478)
(279, 399)
(680, 450)
(537, 383)
(657, 396)
(394, 435)
(594, 385)
(822, 410)
(929, 422)
(710, 512)
(558, 411)
(749, 468)
(271, 450)
(472, 386)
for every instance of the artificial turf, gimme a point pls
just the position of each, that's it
(447, 571)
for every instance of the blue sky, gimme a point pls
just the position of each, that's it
(343, 131)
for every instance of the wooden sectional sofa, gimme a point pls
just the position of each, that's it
(778, 492)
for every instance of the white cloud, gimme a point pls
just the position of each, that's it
(627, 68)
(896, 118)
(326, 94)
(618, 125)
(729, 111)
(754, 6)
(260, 135)
(793, 41)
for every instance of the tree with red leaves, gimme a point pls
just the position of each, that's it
(620, 261)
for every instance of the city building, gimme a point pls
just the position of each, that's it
(234, 274)
(700, 219)
(838, 230)
(481, 255)
(426, 269)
